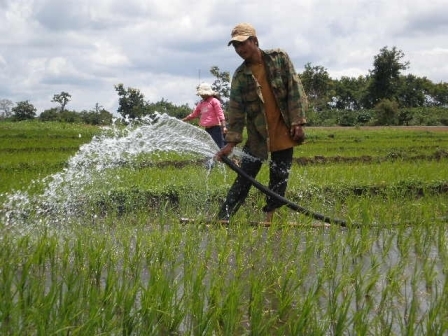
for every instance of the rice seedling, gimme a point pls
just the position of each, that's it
(124, 264)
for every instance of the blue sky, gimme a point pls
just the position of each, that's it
(166, 48)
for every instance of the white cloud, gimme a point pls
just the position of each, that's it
(164, 48)
(107, 54)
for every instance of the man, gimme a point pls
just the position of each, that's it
(266, 97)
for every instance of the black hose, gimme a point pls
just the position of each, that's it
(288, 203)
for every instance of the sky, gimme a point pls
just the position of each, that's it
(165, 48)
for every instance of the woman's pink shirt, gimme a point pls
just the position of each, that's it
(209, 112)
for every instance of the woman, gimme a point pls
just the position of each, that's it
(210, 114)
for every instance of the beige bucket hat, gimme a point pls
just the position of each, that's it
(205, 89)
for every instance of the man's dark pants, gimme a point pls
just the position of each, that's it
(279, 168)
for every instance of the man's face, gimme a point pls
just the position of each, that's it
(245, 49)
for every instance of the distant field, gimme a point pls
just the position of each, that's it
(335, 162)
(33, 150)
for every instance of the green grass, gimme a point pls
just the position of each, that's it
(166, 278)
(32, 150)
(378, 143)
(126, 266)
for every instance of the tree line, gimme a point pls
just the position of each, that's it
(24, 110)
(384, 96)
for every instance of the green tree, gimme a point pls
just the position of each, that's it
(385, 76)
(404, 117)
(23, 111)
(97, 116)
(412, 91)
(348, 92)
(5, 108)
(62, 98)
(169, 108)
(50, 115)
(221, 85)
(318, 86)
(438, 94)
(131, 102)
(347, 118)
(70, 116)
(387, 112)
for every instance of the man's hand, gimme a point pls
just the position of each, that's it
(297, 133)
(225, 151)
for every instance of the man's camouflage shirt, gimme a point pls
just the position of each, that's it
(246, 108)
